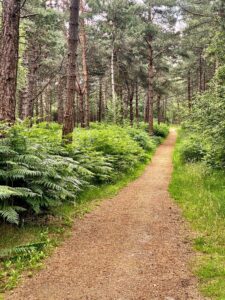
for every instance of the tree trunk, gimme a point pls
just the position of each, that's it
(130, 98)
(71, 70)
(60, 99)
(200, 73)
(48, 105)
(100, 101)
(150, 86)
(146, 109)
(159, 113)
(83, 42)
(150, 77)
(41, 108)
(81, 106)
(31, 82)
(137, 108)
(9, 59)
(113, 83)
(189, 91)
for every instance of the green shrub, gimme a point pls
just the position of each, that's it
(142, 138)
(160, 130)
(114, 143)
(192, 149)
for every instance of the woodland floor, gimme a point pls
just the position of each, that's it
(133, 246)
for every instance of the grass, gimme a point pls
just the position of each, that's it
(201, 194)
(51, 231)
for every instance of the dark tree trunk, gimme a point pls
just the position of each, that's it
(200, 73)
(146, 109)
(31, 82)
(100, 101)
(150, 76)
(48, 105)
(83, 41)
(81, 107)
(131, 97)
(41, 108)
(71, 71)
(60, 99)
(137, 104)
(9, 59)
(159, 113)
(189, 91)
(150, 86)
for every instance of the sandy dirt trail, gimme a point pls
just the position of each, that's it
(133, 246)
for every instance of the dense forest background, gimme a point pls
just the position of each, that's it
(135, 59)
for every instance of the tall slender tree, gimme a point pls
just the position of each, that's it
(9, 59)
(71, 71)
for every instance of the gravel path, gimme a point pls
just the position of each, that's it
(133, 246)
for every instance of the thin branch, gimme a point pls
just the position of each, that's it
(194, 13)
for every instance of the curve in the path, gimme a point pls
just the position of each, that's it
(133, 246)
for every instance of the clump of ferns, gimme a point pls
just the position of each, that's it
(32, 180)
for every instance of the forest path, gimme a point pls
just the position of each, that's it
(133, 246)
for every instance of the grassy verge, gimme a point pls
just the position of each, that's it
(44, 234)
(201, 194)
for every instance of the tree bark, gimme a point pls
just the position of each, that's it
(189, 91)
(83, 42)
(100, 103)
(136, 107)
(48, 105)
(9, 59)
(81, 106)
(200, 73)
(113, 83)
(130, 99)
(150, 86)
(150, 76)
(159, 113)
(60, 99)
(71, 70)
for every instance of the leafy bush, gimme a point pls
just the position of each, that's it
(114, 143)
(160, 130)
(142, 138)
(192, 149)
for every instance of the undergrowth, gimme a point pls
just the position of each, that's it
(200, 191)
(46, 185)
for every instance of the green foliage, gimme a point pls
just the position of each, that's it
(199, 190)
(207, 122)
(142, 138)
(32, 179)
(192, 149)
(159, 130)
(114, 143)
(38, 173)
(20, 258)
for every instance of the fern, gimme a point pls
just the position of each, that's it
(10, 213)
(22, 250)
